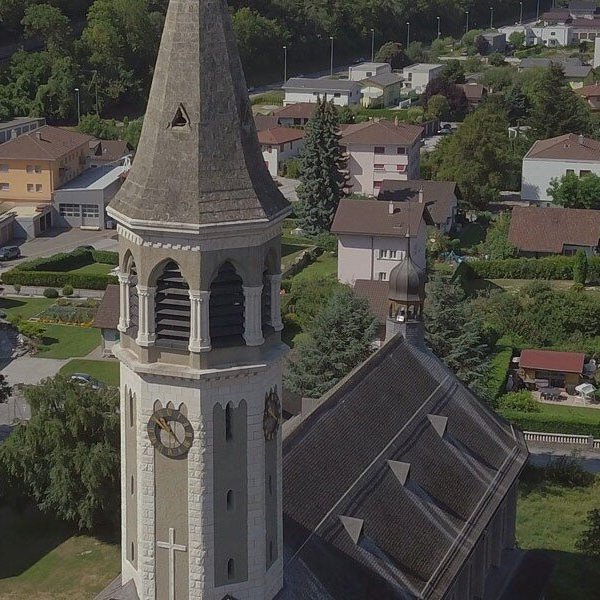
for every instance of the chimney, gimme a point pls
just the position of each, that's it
(391, 208)
(421, 196)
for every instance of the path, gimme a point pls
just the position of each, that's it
(540, 456)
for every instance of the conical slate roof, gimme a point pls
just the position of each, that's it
(199, 161)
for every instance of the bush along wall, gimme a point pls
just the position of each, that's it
(58, 280)
(552, 423)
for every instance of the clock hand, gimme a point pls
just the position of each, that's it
(272, 414)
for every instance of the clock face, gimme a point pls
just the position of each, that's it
(170, 432)
(272, 415)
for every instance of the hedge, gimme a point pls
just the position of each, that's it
(498, 372)
(105, 257)
(552, 422)
(57, 279)
(550, 267)
(58, 262)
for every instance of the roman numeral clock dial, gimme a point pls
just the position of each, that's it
(170, 432)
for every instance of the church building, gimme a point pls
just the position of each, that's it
(399, 484)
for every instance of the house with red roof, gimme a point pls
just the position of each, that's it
(279, 144)
(546, 368)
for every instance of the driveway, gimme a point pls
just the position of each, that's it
(31, 370)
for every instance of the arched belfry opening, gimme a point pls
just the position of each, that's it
(134, 302)
(172, 307)
(226, 308)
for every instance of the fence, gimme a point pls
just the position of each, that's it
(562, 438)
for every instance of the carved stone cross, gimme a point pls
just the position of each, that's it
(172, 547)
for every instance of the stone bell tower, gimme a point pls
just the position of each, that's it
(199, 222)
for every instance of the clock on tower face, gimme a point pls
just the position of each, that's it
(170, 432)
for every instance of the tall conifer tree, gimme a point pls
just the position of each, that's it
(322, 170)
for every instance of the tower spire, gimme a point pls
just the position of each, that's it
(199, 161)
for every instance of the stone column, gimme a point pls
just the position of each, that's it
(200, 324)
(253, 313)
(147, 326)
(276, 321)
(124, 317)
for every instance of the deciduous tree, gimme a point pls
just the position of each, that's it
(572, 191)
(393, 53)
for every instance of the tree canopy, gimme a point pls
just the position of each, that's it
(393, 53)
(572, 191)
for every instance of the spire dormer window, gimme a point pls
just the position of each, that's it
(181, 119)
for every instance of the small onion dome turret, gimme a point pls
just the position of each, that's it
(407, 282)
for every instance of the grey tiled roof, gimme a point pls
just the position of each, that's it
(417, 536)
(321, 85)
(210, 169)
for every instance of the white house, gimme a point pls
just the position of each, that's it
(553, 158)
(278, 145)
(368, 69)
(379, 150)
(416, 77)
(373, 237)
(341, 91)
(558, 34)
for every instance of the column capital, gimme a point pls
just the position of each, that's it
(253, 291)
(199, 295)
(145, 292)
(145, 339)
(124, 278)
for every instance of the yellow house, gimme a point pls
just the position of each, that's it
(34, 165)
(381, 91)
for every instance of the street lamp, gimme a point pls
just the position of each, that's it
(407, 34)
(439, 27)
(537, 14)
(372, 45)
(491, 17)
(521, 13)
(331, 38)
(467, 28)
(78, 106)
(284, 64)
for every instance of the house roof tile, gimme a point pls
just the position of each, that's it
(548, 230)
(280, 135)
(381, 133)
(566, 147)
(547, 360)
(107, 315)
(300, 110)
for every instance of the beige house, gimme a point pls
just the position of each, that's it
(381, 150)
(591, 94)
(280, 144)
(374, 236)
(382, 91)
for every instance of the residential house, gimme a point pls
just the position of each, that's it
(280, 144)
(416, 77)
(596, 61)
(581, 19)
(380, 150)
(373, 237)
(475, 94)
(549, 34)
(552, 158)
(591, 94)
(382, 91)
(368, 69)
(33, 166)
(263, 122)
(82, 201)
(545, 368)
(496, 40)
(107, 319)
(440, 198)
(341, 91)
(574, 69)
(12, 129)
(537, 232)
(583, 9)
(104, 152)
(295, 115)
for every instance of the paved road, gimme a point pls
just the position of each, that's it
(542, 456)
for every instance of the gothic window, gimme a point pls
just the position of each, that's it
(230, 504)
(230, 569)
(134, 303)
(229, 422)
(173, 307)
(226, 308)
(130, 409)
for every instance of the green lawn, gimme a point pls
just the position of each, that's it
(26, 307)
(587, 415)
(46, 560)
(65, 341)
(324, 266)
(94, 269)
(551, 517)
(102, 370)
(290, 252)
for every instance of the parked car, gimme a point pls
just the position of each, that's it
(10, 252)
(445, 129)
(85, 379)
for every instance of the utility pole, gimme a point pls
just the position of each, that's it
(491, 17)
(537, 13)
(331, 38)
(372, 45)
(78, 106)
(467, 28)
(521, 13)
(284, 64)
(407, 34)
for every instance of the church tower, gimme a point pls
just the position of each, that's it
(406, 298)
(199, 223)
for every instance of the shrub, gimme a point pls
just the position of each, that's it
(567, 471)
(106, 257)
(59, 280)
(58, 262)
(519, 401)
(551, 267)
(552, 423)
(17, 288)
(498, 373)
(327, 241)
(51, 293)
(580, 268)
(29, 329)
(589, 542)
(291, 168)
(67, 290)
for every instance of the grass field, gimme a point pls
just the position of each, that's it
(102, 370)
(589, 415)
(65, 341)
(94, 269)
(45, 560)
(552, 517)
(290, 252)
(324, 266)
(26, 307)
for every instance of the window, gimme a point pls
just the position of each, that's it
(38, 187)
(379, 150)
(382, 276)
(229, 422)
(410, 76)
(230, 501)
(132, 552)
(383, 254)
(132, 486)
(400, 168)
(29, 168)
(570, 172)
(377, 185)
(297, 121)
(270, 485)
(70, 210)
(338, 95)
(230, 569)
(379, 167)
(3, 168)
(369, 73)
(37, 169)
(584, 173)
(130, 409)
(401, 150)
(393, 254)
(172, 307)
(226, 308)
(4, 187)
(30, 187)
